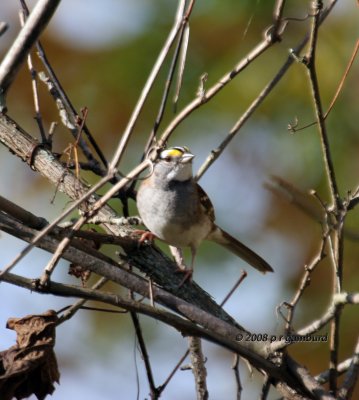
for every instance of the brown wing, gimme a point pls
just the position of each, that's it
(206, 203)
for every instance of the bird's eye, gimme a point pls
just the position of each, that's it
(168, 158)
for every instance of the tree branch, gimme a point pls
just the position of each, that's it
(206, 325)
(28, 35)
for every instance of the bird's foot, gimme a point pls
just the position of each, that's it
(145, 235)
(187, 274)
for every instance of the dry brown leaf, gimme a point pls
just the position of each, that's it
(30, 366)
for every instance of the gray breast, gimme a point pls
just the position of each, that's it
(169, 210)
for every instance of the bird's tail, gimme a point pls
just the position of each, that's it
(239, 249)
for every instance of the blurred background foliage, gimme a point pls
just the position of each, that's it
(102, 53)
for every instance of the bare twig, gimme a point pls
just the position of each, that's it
(65, 242)
(154, 393)
(71, 120)
(68, 106)
(304, 284)
(265, 388)
(304, 200)
(72, 310)
(172, 373)
(198, 367)
(262, 95)
(351, 378)
(217, 87)
(343, 367)
(353, 200)
(342, 81)
(309, 204)
(33, 73)
(235, 367)
(28, 35)
(3, 27)
(309, 61)
(278, 17)
(336, 95)
(183, 55)
(271, 36)
(242, 277)
(147, 87)
(226, 298)
(166, 91)
(339, 301)
(337, 258)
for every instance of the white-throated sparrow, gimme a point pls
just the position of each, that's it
(177, 210)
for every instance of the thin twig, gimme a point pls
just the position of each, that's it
(246, 115)
(162, 387)
(65, 242)
(304, 201)
(3, 27)
(185, 355)
(278, 16)
(235, 368)
(312, 74)
(35, 92)
(72, 310)
(68, 105)
(148, 85)
(217, 87)
(260, 98)
(145, 357)
(309, 269)
(343, 367)
(351, 378)
(293, 127)
(342, 81)
(183, 55)
(353, 199)
(165, 94)
(242, 277)
(337, 258)
(198, 367)
(28, 35)
(80, 222)
(271, 36)
(338, 302)
(71, 120)
(265, 388)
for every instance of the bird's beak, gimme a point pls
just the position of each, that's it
(186, 158)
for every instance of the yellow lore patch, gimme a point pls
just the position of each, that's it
(174, 152)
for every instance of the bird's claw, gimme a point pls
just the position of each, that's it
(145, 235)
(188, 273)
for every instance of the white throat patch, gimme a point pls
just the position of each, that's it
(181, 172)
